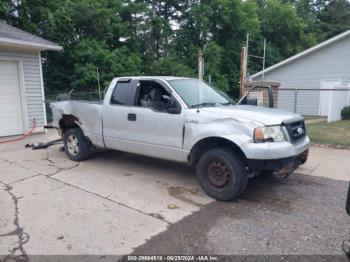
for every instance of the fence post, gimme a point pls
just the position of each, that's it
(295, 100)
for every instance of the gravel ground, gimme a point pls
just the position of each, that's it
(304, 216)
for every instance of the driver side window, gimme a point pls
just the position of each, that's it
(153, 95)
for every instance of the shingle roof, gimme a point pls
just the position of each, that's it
(18, 37)
(304, 53)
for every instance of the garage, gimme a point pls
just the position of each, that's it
(11, 114)
(21, 81)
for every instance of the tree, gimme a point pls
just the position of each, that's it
(5, 10)
(90, 54)
(128, 37)
(334, 18)
(218, 28)
(286, 32)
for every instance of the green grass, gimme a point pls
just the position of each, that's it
(312, 117)
(336, 133)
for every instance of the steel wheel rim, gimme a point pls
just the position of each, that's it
(218, 174)
(73, 145)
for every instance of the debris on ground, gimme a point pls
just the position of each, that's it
(41, 145)
(172, 206)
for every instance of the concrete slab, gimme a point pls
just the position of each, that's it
(23, 154)
(327, 162)
(142, 183)
(42, 167)
(54, 153)
(34, 186)
(71, 221)
(342, 154)
(10, 173)
(7, 210)
(316, 156)
(333, 168)
(59, 159)
(7, 244)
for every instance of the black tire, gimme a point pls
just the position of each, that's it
(346, 247)
(83, 147)
(222, 174)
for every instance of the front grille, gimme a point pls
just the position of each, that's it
(296, 131)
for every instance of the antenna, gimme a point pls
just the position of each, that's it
(98, 82)
(263, 58)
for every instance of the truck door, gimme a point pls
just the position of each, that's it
(158, 127)
(149, 121)
(116, 112)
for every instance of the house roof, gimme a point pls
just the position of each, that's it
(12, 36)
(304, 53)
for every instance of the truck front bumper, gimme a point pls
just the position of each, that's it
(279, 166)
(274, 150)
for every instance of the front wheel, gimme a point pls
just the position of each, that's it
(222, 174)
(76, 146)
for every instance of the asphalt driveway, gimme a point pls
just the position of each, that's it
(118, 203)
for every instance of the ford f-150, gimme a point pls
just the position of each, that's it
(189, 121)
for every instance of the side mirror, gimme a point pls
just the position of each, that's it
(174, 106)
(166, 97)
(63, 97)
(252, 101)
(249, 101)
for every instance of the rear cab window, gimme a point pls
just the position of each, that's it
(124, 93)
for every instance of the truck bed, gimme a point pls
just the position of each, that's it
(89, 114)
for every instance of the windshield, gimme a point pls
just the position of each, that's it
(197, 93)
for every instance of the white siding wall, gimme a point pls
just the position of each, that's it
(32, 83)
(330, 62)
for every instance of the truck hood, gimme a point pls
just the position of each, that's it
(263, 115)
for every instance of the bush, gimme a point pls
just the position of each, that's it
(345, 113)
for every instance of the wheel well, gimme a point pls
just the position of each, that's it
(212, 142)
(67, 122)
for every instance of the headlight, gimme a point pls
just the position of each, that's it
(269, 134)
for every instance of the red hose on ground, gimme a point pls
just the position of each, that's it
(23, 136)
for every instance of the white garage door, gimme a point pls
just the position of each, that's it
(11, 118)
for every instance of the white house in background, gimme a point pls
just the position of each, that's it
(324, 66)
(21, 80)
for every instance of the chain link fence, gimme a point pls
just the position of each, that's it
(328, 101)
(306, 101)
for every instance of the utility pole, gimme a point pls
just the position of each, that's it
(264, 58)
(243, 73)
(243, 66)
(247, 47)
(200, 65)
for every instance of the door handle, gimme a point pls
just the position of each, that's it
(191, 121)
(132, 117)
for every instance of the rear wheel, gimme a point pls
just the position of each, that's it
(76, 146)
(222, 174)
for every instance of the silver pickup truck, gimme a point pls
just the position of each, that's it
(186, 120)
